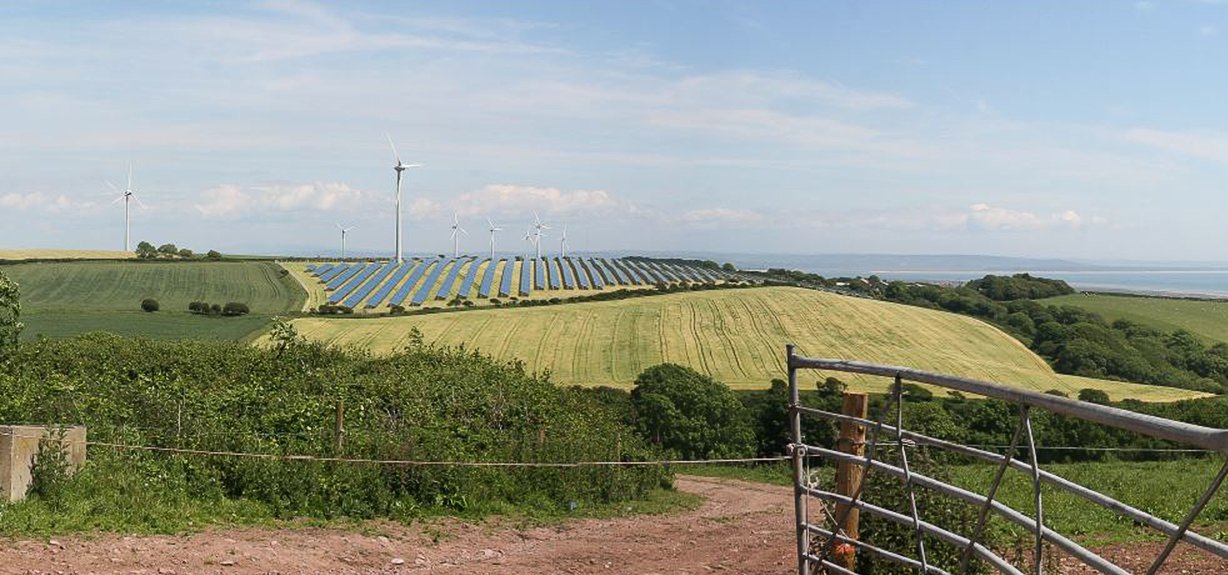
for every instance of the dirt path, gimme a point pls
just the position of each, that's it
(741, 528)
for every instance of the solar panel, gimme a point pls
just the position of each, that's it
(539, 274)
(505, 285)
(526, 276)
(664, 273)
(617, 274)
(581, 274)
(336, 271)
(397, 275)
(569, 281)
(402, 293)
(320, 269)
(345, 277)
(489, 279)
(425, 289)
(590, 272)
(648, 273)
(470, 277)
(362, 292)
(450, 279)
(633, 274)
(553, 270)
(353, 283)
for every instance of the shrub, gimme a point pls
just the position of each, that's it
(235, 308)
(690, 414)
(214, 255)
(215, 309)
(149, 304)
(198, 307)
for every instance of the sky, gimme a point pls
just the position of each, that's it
(1088, 130)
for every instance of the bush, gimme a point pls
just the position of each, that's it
(214, 255)
(235, 308)
(690, 414)
(423, 403)
(198, 307)
(149, 304)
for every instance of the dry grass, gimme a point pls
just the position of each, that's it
(65, 255)
(737, 336)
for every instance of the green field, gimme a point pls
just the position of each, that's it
(66, 298)
(737, 336)
(1208, 319)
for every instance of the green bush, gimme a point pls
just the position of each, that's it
(423, 404)
(149, 304)
(235, 308)
(690, 414)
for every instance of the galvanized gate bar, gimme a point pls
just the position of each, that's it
(943, 534)
(1131, 512)
(1204, 437)
(1212, 439)
(1074, 549)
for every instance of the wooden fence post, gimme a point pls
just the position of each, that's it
(848, 475)
(339, 429)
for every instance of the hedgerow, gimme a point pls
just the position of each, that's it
(425, 404)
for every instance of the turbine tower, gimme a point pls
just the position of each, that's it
(344, 230)
(456, 236)
(127, 195)
(400, 167)
(538, 226)
(493, 229)
(563, 242)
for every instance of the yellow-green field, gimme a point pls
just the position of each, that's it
(64, 255)
(1205, 318)
(737, 336)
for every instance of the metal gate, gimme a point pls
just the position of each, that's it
(817, 544)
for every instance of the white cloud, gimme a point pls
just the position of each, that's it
(510, 199)
(40, 201)
(229, 200)
(1199, 144)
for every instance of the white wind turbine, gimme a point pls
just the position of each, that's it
(529, 237)
(344, 230)
(493, 229)
(563, 242)
(126, 195)
(538, 226)
(456, 236)
(400, 167)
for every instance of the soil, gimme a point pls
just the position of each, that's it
(740, 528)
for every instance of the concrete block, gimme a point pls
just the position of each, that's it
(19, 445)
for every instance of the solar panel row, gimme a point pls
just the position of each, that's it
(376, 280)
(526, 277)
(345, 276)
(450, 279)
(401, 270)
(488, 279)
(333, 273)
(352, 284)
(471, 276)
(425, 289)
(398, 298)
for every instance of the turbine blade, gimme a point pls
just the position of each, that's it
(394, 148)
(139, 202)
(129, 176)
(112, 186)
(116, 200)
(462, 230)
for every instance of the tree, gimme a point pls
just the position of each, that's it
(235, 308)
(168, 250)
(149, 304)
(146, 250)
(690, 414)
(185, 253)
(727, 266)
(10, 314)
(214, 255)
(1091, 395)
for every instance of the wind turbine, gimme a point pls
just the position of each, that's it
(344, 230)
(529, 237)
(563, 242)
(455, 236)
(400, 167)
(127, 195)
(493, 229)
(538, 226)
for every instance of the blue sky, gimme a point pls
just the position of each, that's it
(1092, 130)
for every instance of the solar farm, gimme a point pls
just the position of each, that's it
(373, 285)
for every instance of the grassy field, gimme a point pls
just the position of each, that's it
(737, 336)
(1208, 319)
(66, 298)
(64, 255)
